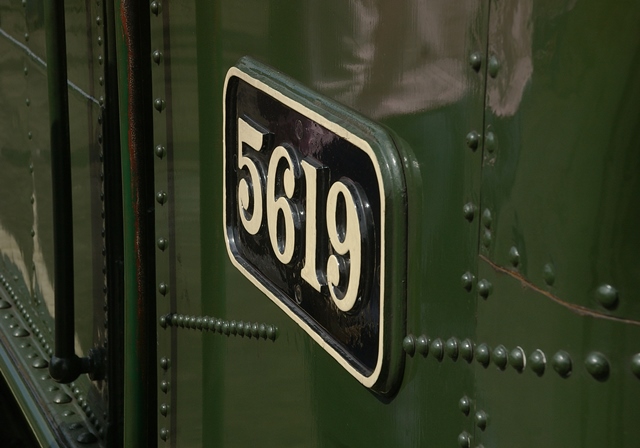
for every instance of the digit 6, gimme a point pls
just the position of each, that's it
(282, 215)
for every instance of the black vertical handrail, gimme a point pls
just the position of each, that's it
(65, 365)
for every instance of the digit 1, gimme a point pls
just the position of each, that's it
(314, 188)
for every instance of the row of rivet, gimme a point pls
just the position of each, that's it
(19, 331)
(105, 290)
(162, 243)
(221, 326)
(595, 363)
(605, 294)
(37, 362)
(480, 417)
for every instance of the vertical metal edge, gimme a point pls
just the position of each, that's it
(210, 83)
(114, 237)
(132, 50)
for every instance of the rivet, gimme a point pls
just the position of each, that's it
(469, 211)
(409, 344)
(239, 328)
(100, 59)
(26, 37)
(163, 321)
(262, 330)
(466, 350)
(30, 136)
(164, 433)
(162, 243)
(161, 197)
(483, 354)
(437, 349)
(39, 363)
(161, 151)
(175, 319)
(156, 7)
(561, 362)
(607, 296)
(465, 405)
(98, 20)
(159, 104)
(4, 304)
(254, 330)
(484, 288)
(486, 238)
(101, 80)
(25, 70)
(99, 40)
(467, 280)
(490, 141)
(164, 386)
(164, 409)
(272, 332)
(494, 66)
(27, 102)
(199, 323)
(514, 256)
(75, 425)
(162, 288)
(464, 440)
(422, 345)
(61, 398)
(635, 364)
(165, 363)
(549, 274)
(451, 348)
(20, 333)
(500, 357)
(473, 138)
(517, 359)
(597, 365)
(475, 61)
(538, 362)
(32, 199)
(481, 419)
(157, 56)
(487, 219)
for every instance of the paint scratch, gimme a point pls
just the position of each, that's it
(577, 309)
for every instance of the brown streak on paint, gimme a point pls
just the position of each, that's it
(133, 159)
(577, 309)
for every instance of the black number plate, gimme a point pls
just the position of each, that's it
(309, 192)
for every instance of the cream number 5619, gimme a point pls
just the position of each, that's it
(293, 218)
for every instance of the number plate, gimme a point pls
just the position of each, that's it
(315, 217)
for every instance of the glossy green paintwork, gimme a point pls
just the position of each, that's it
(292, 383)
(553, 103)
(26, 245)
(561, 183)
(557, 103)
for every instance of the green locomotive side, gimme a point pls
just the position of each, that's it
(515, 130)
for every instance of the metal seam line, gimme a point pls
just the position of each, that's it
(41, 61)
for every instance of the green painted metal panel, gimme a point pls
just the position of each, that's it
(559, 182)
(292, 383)
(54, 412)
